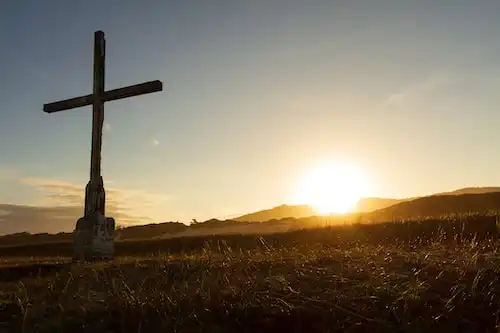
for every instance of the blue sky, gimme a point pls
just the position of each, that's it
(254, 93)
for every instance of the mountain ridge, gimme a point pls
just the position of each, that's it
(364, 205)
(276, 219)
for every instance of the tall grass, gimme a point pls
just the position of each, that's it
(411, 276)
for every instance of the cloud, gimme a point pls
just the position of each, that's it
(21, 218)
(426, 87)
(63, 203)
(155, 142)
(397, 98)
(65, 193)
(107, 127)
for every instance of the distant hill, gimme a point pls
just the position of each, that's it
(27, 238)
(149, 230)
(300, 211)
(364, 205)
(279, 212)
(471, 190)
(372, 204)
(438, 205)
(280, 218)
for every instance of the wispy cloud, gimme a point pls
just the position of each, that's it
(155, 142)
(397, 98)
(22, 218)
(127, 206)
(426, 87)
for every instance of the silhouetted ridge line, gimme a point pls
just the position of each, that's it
(277, 219)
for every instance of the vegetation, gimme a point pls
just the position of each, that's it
(406, 276)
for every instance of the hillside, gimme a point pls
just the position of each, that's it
(371, 204)
(471, 190)
(438, 205)
(279, 212)
(286, 217)
(149, 231)
(364, 205)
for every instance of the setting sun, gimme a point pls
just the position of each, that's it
(332, 187)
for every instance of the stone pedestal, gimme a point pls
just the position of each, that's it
(93, 238)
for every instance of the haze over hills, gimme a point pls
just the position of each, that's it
(471, 190)
(28, 221)
(440, 205)
(364, 205)
(279, 212)
(300, 211)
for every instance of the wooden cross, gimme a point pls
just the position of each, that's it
(94, 193)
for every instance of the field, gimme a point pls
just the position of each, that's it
(412, 276)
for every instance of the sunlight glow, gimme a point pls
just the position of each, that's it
(332, 187)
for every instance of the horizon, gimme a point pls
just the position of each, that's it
(255, 96)
(242, 214)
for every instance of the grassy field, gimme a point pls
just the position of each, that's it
(413, 276)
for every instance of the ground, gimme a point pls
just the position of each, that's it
(317, 280)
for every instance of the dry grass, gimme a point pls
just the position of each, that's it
(321, 280)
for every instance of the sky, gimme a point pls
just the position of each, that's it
(255, 92)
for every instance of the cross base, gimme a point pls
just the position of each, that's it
(93, 238)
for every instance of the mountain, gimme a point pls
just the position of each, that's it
(301, 211)
(364, 205)
(15, 219)
(471, 190)
(27, 238)
(439, 205)
(279, 212)
(372, 204)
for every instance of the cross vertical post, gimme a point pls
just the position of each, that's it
(94, 193)
(98, 105)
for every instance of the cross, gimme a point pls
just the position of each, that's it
(94, 192)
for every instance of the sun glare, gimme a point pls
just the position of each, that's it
(332, 187)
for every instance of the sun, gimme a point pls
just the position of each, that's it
(332, 187)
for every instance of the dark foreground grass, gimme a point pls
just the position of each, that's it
(322, 280)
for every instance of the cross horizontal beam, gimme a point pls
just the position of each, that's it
(111, 95)
(67, 104)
